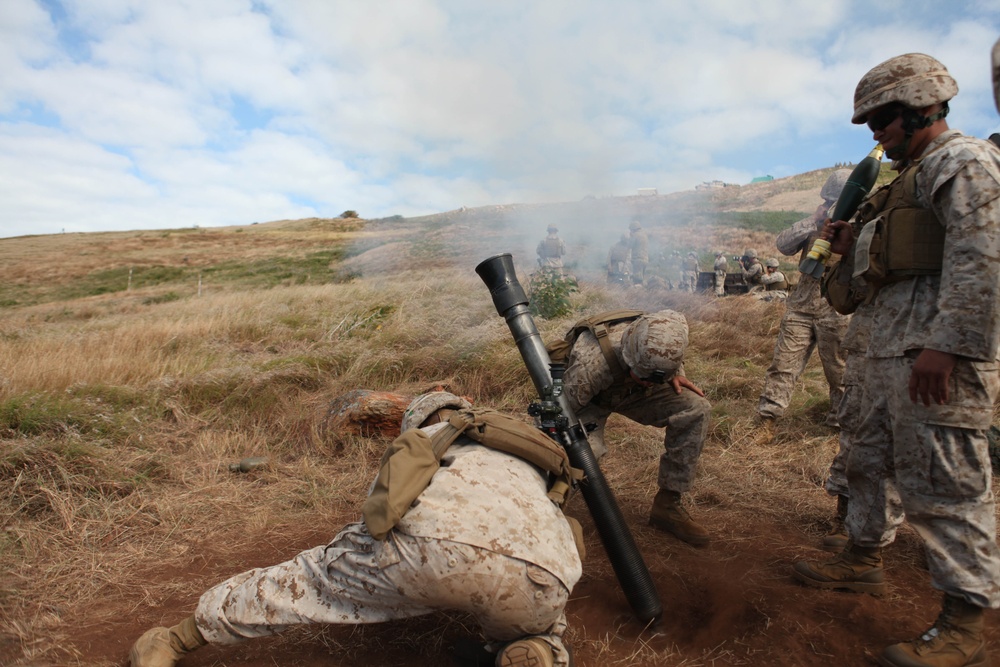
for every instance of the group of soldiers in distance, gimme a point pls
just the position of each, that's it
(629, 265)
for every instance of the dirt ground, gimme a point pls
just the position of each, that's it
(730, 603)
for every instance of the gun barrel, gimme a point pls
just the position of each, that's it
(512, 304)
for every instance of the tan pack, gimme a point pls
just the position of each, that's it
(411, 460)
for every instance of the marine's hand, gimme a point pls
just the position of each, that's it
(929, 377)
(680, 382)
(840, 234)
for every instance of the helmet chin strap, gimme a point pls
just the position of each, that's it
(913, 121)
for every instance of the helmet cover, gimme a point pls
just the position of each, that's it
(424, 405)
(655, 342)
(914, 80)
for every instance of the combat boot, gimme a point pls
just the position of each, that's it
(836, 539)
(529, 652)
(955, 640)
(668, 514)
(857, 569)
(163, 647)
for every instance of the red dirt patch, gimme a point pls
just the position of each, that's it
(732, 603)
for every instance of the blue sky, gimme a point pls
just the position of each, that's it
(138, 114)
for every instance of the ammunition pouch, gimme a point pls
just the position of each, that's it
(781, 284)
(900, 239)
(842, 293)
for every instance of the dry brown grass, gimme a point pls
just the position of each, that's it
(119, 416)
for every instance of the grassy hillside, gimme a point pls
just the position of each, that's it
(136, 367)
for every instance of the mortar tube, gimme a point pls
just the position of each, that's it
(626, 560)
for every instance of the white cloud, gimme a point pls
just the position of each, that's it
(223, 111)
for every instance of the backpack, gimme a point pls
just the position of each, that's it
(411, 460)
(597, 325)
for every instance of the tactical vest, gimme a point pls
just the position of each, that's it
(900, 239)
(619, 252)
(781, 284)
(622, 383)
(411, 460)
(551, 246)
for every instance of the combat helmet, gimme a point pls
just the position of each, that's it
(424, 405)
(634, 226)
(996, 74)
(834, 184)
(552, 229)
(772, 263)
(655, 342)
(914, 80)
(751, 253)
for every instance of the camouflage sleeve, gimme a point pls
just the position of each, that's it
(791, 240)
(587, 372)
(965, 194)
(768, 278)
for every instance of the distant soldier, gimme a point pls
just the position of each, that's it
(691, 272)
(752, 269)
(640, 252)
(809, 322)
(721, 269)
(618, 262)
(677, 267)
(551, 250)
(774, 282)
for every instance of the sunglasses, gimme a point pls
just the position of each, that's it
(880, 120)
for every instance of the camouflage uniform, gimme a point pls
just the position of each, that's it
(849, 411)
(507, 558)
(721, 267)
(550, 251)
(775, 287)
(808, 323)
(935, 456)
(619, 267)
(594, 395)
(639, 245)
(691, 270)
(752, 272)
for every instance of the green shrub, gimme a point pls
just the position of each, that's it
(549, 292)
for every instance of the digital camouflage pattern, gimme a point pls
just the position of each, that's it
(904, 460)
(996, 74)
(594, 396)
(915, 80)
(483, 539)
(425, 405)
(655, 342)
(849, 411)
(809, 322)
(955, 312)
(835, 182)
(721, 268)
(933, 460)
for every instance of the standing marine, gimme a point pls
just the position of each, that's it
(928, 247)
(809, 322)
(551, 250)
(721, 268)
(639, 246)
